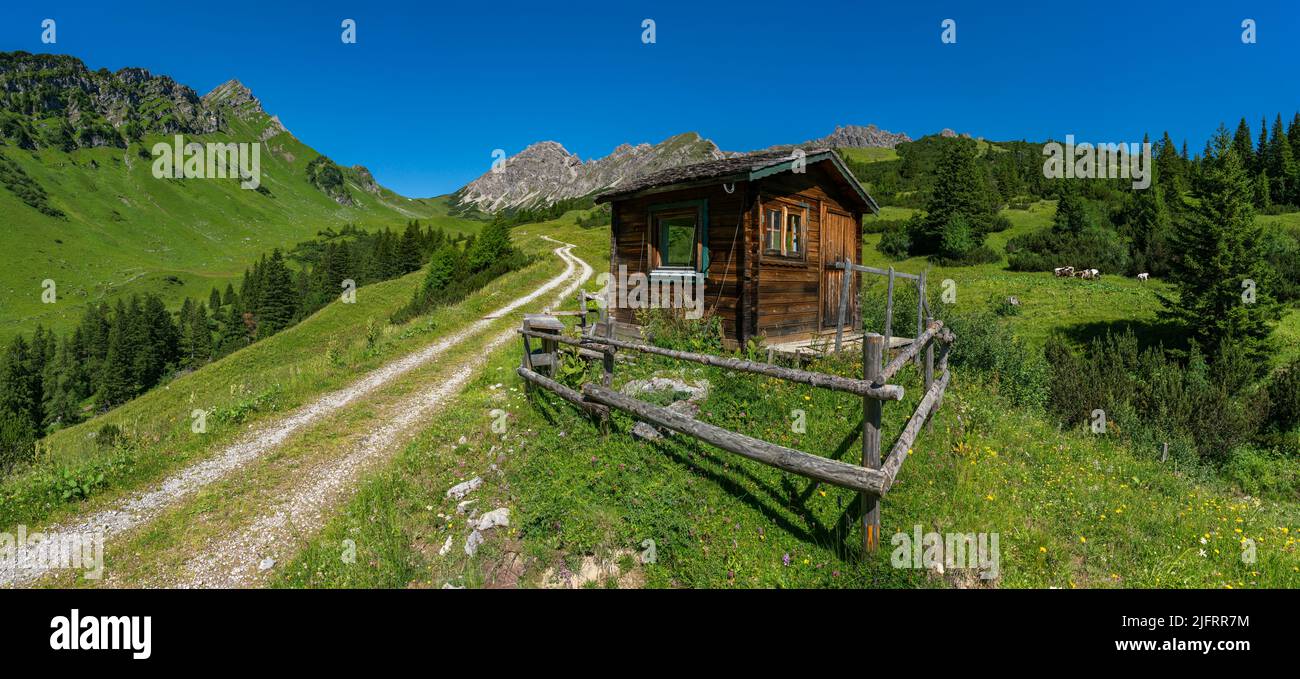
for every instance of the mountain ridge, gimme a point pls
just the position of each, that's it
(545, 172)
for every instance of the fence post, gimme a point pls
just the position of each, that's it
(929, 374)
(844, 303)
(921, 322)
(889, 314)
(872, 354)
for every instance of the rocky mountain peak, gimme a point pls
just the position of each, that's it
(234, 95)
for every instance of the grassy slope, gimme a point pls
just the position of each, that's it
(127, 232)
(1071, 509)
(266, 379)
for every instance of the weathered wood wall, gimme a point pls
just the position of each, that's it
(634, 248)
(783, 299)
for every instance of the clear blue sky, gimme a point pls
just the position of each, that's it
(431, 88)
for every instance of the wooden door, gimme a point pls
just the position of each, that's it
(839, 243)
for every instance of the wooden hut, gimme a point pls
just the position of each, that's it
(763, 232)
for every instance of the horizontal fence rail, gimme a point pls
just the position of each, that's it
(812, 466)
(884, 392)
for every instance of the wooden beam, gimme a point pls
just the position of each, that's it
(874, 270)
(889, 310)
(570, 395)
(845, 284)
(886, 392)
(899, 452)
(873, 349)
(867, 481)
(910, 351)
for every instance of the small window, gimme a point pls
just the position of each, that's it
(784, 233)
(679, 234)
(773, 241)
(679, 237)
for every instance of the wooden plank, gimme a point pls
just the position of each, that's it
(866, 481)
(873, 349)
(844, 307)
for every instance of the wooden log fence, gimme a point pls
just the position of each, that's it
(891, 275)
(872, 479)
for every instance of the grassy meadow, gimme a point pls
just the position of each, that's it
(1072, 509)
(126, 232)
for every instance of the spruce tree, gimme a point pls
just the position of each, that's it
(1242, 144)
(1281, 164)
(200, 336)
(960, 188)
(1071, 213)
(1220, 257)
(17, 396)
(492, 244)
(116, 383)
(277, 301)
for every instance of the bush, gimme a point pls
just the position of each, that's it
(670, 329)
(987, 348)
(17, 440)
(894, 241)
(1153, 399)
(1095, 247)
(1284, 397)
(108, 436)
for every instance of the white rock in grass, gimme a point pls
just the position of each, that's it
(463, 506)
(494, 518)
(472, 542)
(460, 490)
(446, 547)
(267, 564)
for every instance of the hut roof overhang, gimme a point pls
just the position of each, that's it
(739, 168)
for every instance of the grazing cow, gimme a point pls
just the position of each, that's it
(1095, 274)
(1143, 276)
(1063, 271)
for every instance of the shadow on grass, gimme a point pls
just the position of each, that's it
(1148, 333)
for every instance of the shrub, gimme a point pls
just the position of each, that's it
(17, 440)
(108, 436)
(1284, 397)
(987, 348)
(1153, 399)
(894, 241)
(670, 329)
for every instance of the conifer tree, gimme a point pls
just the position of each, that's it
(116, 382)
(200, 337)
(277, 296)
(1243, 145)
(1219, 258)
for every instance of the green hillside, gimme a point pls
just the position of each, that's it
(110, 228)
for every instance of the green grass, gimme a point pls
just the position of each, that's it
(127, 232)
(325, 352)
(868, 155)
(1072, 509)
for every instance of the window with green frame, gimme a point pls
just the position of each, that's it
(680, 234)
